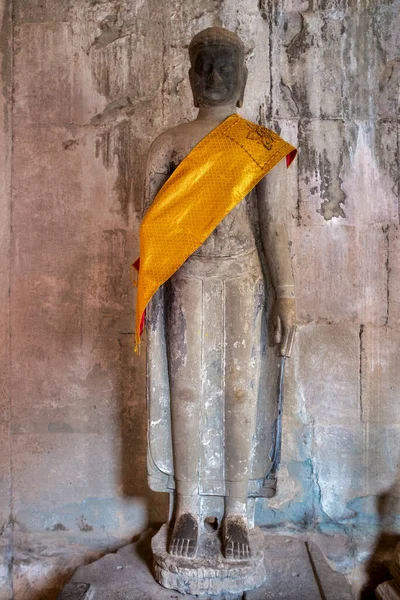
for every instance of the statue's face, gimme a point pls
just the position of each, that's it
(217, 75)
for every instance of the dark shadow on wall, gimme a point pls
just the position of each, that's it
(117, 386)
(131, 392)
(377, 568)
(133, 432)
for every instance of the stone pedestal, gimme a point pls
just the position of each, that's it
(296, 570)
(209, 573)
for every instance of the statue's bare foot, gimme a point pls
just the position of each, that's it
(235, 543)
(185, 536)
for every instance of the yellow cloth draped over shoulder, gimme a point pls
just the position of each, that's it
(214, 177)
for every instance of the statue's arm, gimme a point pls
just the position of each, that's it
(157, 169)
(156, 173)
(159, 457)
(273, 193)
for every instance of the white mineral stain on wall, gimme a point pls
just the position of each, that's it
(367, 177)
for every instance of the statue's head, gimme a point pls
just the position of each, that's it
(217, 74)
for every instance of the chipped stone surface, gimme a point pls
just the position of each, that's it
(94, 82)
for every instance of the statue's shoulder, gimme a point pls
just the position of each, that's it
(160, 151)
(169, 136)
(161, 142)
(174, 144)
(165, 143)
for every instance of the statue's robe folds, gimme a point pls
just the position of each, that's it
(194, 301)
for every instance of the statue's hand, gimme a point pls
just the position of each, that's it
(285, 324)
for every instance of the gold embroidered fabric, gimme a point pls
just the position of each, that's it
(214, 177)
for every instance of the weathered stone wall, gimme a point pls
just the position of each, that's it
(85, 86)
(5, 210)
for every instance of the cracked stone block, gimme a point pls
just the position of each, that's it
(381, 454)
(78, 490)
(349, 265)
(49, 405)
(370, 171)
(338, 465)
(356, 467)
(369, 33)
(288, 130)
(385, 27)
(124, 72)
(385, 20)
(389, 82)
(5, 241)
(380, 375)
(306, 73)
(41, 11)
(335, 5)
(86, 164)
(44, 573)
(5, 466)
(50, 166)
(253, 29)
(5, 566)
(394, 276)
(321, 197)
(340, 162)
(328, 62)
(288, 5)
(325, 372)
(74, 285)
(51, 65)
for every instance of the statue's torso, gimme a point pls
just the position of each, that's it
(214, 313)
(234, 235)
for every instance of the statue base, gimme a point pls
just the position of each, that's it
(209, 573)
(296, 571)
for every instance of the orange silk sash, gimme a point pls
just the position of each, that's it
(214, 177)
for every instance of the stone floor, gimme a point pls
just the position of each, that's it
(298, 571)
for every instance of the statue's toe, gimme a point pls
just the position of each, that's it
(236, 539)
(245, 551)
(185, 535)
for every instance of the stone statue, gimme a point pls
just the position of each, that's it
(212, 367)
